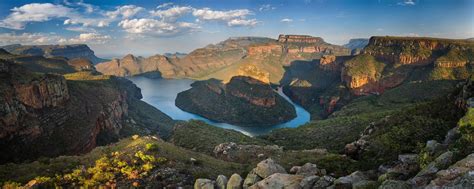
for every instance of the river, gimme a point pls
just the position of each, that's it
(161, 93)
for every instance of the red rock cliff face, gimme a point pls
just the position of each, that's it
(299, 39)
(414, 50)
(45, 115)
(48, 91)
(264, 49)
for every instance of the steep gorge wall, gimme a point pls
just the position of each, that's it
(45, 115)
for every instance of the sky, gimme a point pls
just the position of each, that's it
(114, 28)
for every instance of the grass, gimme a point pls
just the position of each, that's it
(173, 156)
(206, 137)
(365, 65)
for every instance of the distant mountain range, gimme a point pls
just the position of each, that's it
(67, 51)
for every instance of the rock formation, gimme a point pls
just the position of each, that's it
(43, 114)
(67, 51)
(396, 57)
(243, 101)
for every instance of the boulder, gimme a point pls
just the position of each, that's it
(433, 147)
(295, 169)
(251, 179)
(221, 182)
(204, 184)
(452, 136)
(348, 181)
(309, 169)
(365, 184)
(456, 174)
(308, 182)
(394, 184)
(404, 168)
(235, 182)
(268, 167)
(428, 173)
(323, 182)
(279, 180)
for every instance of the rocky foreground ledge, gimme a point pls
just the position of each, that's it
(243, 101)
(269, 174)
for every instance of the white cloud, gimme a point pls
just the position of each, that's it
(90, 38)
(237, 17)
(34, 12)
(164, 5)
(407, 3)
(173, 13)
(80, 29)
(240, 22)
(125, 11)
(266, 7)
(287, 20)
(28, 38)
(156, 27)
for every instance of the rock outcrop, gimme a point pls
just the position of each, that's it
(394, 58)
(68, 51)
(243, 101)
(43, 114)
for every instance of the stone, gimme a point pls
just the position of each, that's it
(268, 167)
(295, 169)
(323, 182)
(348, 181)
(434, 147)
(279, 180)
(428, 173)
(221, 182)
(309, 169)
(203, 184)
(251, 179)
(394, 184)
(455, 174)
(365, 184)
(235, 182)
(308, 182)
(452, 136)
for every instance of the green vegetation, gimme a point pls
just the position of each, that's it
(408, 130)
(364, 65)
(205, 137)
(440, 73)
(130, 161)
(86, 75)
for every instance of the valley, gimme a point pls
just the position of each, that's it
(237, 94)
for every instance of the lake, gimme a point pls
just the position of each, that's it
(161, 93)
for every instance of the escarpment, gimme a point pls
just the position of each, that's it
(67, 51)
(43, 114)
(396, 58)
(243, 101)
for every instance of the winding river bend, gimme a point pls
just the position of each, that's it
(161, 93)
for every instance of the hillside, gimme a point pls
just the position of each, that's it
(44, 113)
(49, 51)
(243, 101)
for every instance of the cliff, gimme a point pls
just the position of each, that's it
(67, 51)
(199, 62)
(243, 101)
(399, 57)
(43, 114)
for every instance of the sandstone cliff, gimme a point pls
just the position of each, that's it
(243, 101)
(398, 57)
(67, 51)
(43, 114)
